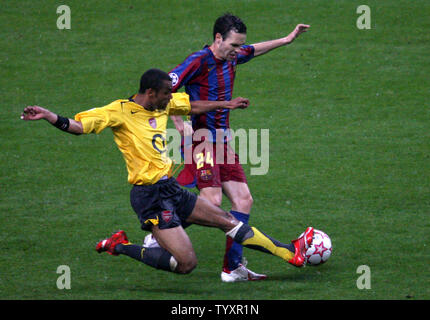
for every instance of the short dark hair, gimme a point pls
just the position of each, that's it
(153, 79)
(226, 23)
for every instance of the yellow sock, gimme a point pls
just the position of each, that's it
(264, 243)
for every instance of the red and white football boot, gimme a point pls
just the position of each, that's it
(301, 245)
(109, 244)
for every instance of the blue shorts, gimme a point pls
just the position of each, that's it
(164, 204)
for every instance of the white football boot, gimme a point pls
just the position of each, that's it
(241, 273)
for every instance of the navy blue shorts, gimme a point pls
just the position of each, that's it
(164, 204)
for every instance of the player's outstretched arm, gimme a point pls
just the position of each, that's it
(202, 106)
(32, 113)
(266, 46)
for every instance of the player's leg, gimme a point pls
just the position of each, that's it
(234, 266)
(208, 168)
(177, 242)
(293, 253)
(161, 208)
(239, 195)
(206, 214)
(212, 194)
(235, 187)
(174, 254)
(241, 202)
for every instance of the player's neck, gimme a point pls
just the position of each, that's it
(143, 101)
(213, 48)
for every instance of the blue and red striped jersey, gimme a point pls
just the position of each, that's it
(208, 78)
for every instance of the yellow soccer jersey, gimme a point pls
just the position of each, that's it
(140, 134)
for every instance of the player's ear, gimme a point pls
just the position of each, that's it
(218, 37)
(151, 92)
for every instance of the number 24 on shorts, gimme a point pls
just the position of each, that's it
(201, 159)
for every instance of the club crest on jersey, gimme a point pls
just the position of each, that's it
(167, 215)
(206, 174)
(153, 123)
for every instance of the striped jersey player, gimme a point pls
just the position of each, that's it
(209, 74)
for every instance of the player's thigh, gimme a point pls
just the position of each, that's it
(213, 194)
(239, 195)
(236, 190)
(176, 241)
(207, 214)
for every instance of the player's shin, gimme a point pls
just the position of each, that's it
(252, 238)
(158, 258)
(233, 250)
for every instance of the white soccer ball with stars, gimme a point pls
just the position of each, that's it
(320, 250)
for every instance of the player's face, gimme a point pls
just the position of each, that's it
(229, 47)
(164, 95)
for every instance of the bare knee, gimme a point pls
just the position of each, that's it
(243, 203)
(214, 196)
(186, 267)
(216, 201)
(186, 263)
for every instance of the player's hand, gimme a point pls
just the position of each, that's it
(35, 113)
(238, 102)
(298, 30)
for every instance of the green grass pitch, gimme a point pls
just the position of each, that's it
(348, 113)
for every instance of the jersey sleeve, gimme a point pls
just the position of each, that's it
(97, 119)
(179, 104)
(185, 71)
(245, 54)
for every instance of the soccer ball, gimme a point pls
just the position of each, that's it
(320, 249)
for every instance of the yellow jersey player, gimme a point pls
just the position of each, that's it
(162, 206)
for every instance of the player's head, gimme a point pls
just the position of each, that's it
(157, 85)
(227, 23)
(229, 34)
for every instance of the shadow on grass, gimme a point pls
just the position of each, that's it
(308, 273)
(300, 277)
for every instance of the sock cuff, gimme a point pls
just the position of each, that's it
(232, 233)
(173, 263)
(243, 217)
